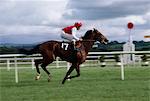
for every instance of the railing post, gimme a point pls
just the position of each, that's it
(8, 64)
(57, 62)
(122, 67)
(16, 70)
(32, 60)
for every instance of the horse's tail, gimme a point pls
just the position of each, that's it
(29, 52)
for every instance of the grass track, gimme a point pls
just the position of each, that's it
(95, 84)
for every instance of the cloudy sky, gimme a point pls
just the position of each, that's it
(32, 21)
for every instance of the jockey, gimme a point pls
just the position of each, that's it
(69, 32)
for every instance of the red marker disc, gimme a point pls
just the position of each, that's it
(130, 25)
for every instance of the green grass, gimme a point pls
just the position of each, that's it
(94, 84)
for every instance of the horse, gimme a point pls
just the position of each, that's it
(52, 49)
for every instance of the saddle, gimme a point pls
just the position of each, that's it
(70, 45)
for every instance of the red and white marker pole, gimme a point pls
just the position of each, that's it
(130, 26)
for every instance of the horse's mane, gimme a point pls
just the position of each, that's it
(87, 34)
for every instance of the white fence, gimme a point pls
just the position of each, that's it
(8, 61)
(17, 57)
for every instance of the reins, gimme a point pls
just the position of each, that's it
(87, 40)
(79, 41)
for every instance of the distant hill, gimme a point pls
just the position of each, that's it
(13, 48)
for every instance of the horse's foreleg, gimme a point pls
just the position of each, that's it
(78, 73)
(37, 62)
(67, 74)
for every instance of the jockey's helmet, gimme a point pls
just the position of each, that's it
(78, 24)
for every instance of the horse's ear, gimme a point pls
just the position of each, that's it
(93, 29)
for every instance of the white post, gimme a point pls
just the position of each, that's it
(8, 64)
(122, 67)
(57, 62)
(32, 60)
(16, 70)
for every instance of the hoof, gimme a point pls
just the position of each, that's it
(37, 77)
(68, 78)
(63, 82)
(49, 78)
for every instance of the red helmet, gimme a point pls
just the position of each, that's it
(78, 24)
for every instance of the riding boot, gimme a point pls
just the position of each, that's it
(74, 43)
(74, 46)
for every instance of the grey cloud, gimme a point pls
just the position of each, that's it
(24, 12)
(36, 20)
(143, 27)
(93, 11)
(18, 15)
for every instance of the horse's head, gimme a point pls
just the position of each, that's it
(95, 35)
(99, 36)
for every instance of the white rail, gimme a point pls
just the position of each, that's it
(17, 57)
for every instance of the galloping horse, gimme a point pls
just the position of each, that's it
(52, 49)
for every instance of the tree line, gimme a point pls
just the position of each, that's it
(111, 46)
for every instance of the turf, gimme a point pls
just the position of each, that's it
(94, 84)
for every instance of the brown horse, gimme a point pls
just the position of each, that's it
(52, 49)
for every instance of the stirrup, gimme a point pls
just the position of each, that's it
(74, 42)
(76, 49)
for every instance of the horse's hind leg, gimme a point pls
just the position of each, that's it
(44, 64)
(37, 62)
